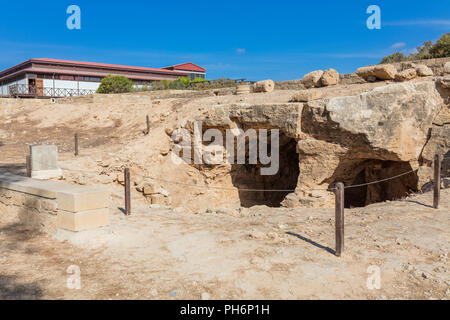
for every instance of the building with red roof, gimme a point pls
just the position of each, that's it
(55, 78)
(194, 71)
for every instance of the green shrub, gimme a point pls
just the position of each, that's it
(441, 49)
(185, 79)
(165, 84)
(177, 84)
(115, 84)
(395, 57)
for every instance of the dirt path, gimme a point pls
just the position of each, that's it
(161, 254)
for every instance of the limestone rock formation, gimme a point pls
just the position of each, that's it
(330, 78)
(306, 95)
(423, 71)
(388, 123)
(380, 72)
(447, 68)
(373, 135)
(312, 79)
(445, 82)
(406, 75)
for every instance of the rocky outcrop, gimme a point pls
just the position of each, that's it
(368, 137)
(374, 135)
(445, 82)
(406, 75)
(424, 71)
(387, 123)
(447, 68)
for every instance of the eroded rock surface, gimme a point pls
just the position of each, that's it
(356, 139)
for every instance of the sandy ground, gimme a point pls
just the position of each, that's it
(264, 253)
(164, 253)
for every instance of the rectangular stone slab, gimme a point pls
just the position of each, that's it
(26, 185)
(83, 220)
(44, 157)
(82, 198)
(70, 197)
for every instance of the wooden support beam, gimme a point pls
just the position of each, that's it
(148, 125)
(28, 161)
(76, 144)
(339, 218)
(437, 181)
(127, 191)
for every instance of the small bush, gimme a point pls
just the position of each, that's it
(395, 57)
(115, 84)
(177, 84)
(441, 49)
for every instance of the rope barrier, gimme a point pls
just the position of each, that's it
(379, 181)
(256, 190)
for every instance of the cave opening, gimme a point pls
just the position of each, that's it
(375, 170)
(248, 176)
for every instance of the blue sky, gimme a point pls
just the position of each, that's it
(255, 40)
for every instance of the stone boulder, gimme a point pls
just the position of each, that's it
(312, 79)
(330, 78)
(445, 82)
(380, 72)
(423, 71)
(406, 75)
(264, 86)
(149, 187)
(306, 95)
(447, 68)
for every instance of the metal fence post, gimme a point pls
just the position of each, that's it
(339, 218)
(437, 181)
(127, 191)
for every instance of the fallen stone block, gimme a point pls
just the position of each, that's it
(424, 71)
(380, 72)
(306, 95)
(312, 79)
(264, 86)
(447, 68)
(445, 82)
(406, 75)
(330, 78)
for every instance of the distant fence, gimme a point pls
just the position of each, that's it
(32, 91)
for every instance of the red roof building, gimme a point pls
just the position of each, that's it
(52, 77)
(194, 71)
